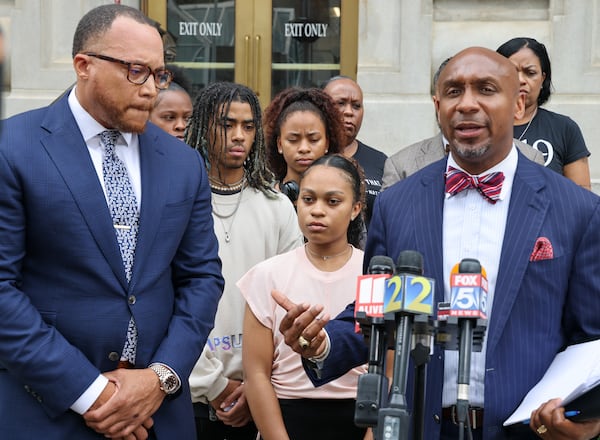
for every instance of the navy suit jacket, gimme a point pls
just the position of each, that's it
(538, 307)
(64, 298)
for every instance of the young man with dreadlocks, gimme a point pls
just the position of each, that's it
(252, 222)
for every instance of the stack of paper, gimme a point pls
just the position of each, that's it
(572, 373)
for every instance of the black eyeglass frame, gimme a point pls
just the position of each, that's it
(155, 73)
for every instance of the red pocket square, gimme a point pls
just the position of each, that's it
(542, 250)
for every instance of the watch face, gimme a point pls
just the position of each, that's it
(168, 380)
(170, 384)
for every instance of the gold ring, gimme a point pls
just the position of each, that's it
(542, 430)
(304, 344)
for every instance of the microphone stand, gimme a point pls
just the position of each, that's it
(422, 340)
(395, 419)
(465, 335)
(373, 385)
(464, 377)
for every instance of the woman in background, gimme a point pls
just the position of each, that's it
(173, 106)
(557, 136)
(300, 125)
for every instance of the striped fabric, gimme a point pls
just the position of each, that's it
(488, 185)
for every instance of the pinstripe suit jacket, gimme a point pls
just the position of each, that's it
(538, 307)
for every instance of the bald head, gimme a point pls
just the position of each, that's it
(477, 101)
(348, 97)
(470, 57)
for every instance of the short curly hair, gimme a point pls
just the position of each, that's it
(290, 101)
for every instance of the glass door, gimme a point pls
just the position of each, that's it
(266, 44)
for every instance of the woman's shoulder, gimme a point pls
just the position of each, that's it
(555, 117)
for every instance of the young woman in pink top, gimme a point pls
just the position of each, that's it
(283, 401)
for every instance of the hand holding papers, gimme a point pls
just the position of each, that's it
(574, 372)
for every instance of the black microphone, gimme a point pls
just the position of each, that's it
(373, 385)
(408, 293)
(466, 316)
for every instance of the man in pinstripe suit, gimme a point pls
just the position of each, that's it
(539, 242)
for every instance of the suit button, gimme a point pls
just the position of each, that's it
(27, 388)
(39, 399)
(131, 299)
(113, 356)
(436, 419)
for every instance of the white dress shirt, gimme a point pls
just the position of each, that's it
(474, 228)
(127, 148)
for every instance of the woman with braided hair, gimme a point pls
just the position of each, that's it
(253, 222)
(284, 403)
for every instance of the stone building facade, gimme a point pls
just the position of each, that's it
(400, 44)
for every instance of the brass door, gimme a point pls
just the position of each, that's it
(266, 44)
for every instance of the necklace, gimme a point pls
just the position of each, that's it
(227, 188)
(528, 124)
(325, 257)
(223, 217)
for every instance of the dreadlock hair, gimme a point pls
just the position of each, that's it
(356, 176)
(211, 107)
(292, 100)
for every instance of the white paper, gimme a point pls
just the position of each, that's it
(573, 372)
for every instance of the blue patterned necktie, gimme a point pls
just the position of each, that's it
(125, 215)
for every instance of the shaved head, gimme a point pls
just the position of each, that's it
(477, 101)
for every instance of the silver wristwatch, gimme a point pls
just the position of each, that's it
(169, 382)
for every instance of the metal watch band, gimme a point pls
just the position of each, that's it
(168, 380)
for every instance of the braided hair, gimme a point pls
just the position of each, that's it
(355, 175)
(290, 101)
(211, 106)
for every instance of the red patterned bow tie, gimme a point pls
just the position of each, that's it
(488, 185)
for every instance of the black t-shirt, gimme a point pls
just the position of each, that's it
(556, 136)
(372, 161)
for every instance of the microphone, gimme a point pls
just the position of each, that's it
(465, 323)
(468, 290)
(408, 294)
(373, 385)
(370, 288)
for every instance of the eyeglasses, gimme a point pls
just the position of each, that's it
(138, 73)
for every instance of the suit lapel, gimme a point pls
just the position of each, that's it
(67, 149)
(155, 184)
(528, 208)
(428, 215)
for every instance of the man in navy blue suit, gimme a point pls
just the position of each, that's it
(537, 237)
(99, 332)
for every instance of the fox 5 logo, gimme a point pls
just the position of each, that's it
(469, 299)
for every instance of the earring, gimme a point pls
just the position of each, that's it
(326, 151)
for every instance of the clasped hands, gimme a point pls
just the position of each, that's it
(125, 407)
